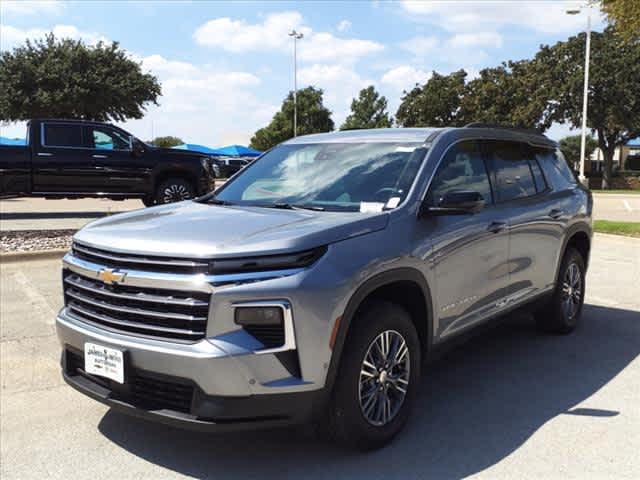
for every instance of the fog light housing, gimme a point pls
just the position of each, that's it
(259, 316)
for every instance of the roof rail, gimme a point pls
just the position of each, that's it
(530, 131)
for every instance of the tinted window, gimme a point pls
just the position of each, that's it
(555, 168)
(461, 169)
(511, 170)
(62, 135)
(108, 139)
(538, 177)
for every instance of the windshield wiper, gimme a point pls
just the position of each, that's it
(217, 201)
(294, 206)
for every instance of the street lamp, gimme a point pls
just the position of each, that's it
(296, 36)
(585, 94)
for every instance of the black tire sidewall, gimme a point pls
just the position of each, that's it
(351, 425)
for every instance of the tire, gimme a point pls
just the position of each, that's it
(562, 313)
(352, 419)
(148, 201)
(174, 189)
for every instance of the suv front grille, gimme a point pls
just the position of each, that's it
(139, 262)
(167, 314)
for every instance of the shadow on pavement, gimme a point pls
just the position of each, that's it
(49, 215)
(478, 403)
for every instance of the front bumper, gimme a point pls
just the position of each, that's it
(175, 398)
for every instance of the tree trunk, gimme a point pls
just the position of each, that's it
(607, 171)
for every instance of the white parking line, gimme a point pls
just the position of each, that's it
(34, 296)
(627, 206)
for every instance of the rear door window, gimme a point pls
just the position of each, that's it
(511, 170)
(69, 136)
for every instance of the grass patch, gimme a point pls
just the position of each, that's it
(629, 229)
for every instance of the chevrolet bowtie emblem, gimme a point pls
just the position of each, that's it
(110, 276)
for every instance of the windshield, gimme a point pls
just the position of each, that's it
(359, 177)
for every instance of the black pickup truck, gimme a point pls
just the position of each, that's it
(76, 158)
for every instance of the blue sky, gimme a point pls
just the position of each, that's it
(226, 66)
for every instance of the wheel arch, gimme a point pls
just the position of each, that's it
(404, 286)
(578, 236)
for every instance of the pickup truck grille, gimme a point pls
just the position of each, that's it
(139, 262)
(165, 314)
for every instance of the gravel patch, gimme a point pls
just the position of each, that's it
(35, 240)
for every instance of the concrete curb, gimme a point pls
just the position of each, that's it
(14, 257)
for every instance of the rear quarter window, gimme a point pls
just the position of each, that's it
(555, 168)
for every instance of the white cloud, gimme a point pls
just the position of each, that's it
(341, 83)
(201, 104)
(11, 36)
(404, 77)
(239, 36)
(31, 7)
(322, 47)
(469, 16)
(480, 39)
(343, 26)
(420, 45)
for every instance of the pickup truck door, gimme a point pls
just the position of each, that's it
(60, 161)
(119, 169)
(15, 169)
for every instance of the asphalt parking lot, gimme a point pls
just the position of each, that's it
(509, 403)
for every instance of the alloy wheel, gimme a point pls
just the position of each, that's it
(175, 193)
(384, 378)
(571, 291)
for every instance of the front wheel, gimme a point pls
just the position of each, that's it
(174, 190)
(377, 379)
(562, 313)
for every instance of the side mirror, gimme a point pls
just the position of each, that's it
(455, 203)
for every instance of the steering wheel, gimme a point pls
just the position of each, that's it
(384, 194)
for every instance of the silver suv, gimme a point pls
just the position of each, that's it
(313, 285)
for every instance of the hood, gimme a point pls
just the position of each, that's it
(178, 152)
(192, 229)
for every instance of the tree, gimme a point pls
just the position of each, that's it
(435, 104)
(166, 142)
(68, 79)
(506, 95)
(570, 147)
(624, 15)
(313, 117)
(369, 110)
(614, 103)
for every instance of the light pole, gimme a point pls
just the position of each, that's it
(585, 93)
(296, 36)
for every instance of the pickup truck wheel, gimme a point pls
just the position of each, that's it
(562, 313)
(174, 190)
(377, 379)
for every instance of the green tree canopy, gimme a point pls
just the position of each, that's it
(614, 83)
(434, 104)
(506, 95)
(65, 78)
(570, 147)
(313, 117)
(369, 110)
(166, 142)
(624, 15)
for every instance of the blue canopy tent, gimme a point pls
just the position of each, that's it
(12, 141)
(196, 148)
(237, 151)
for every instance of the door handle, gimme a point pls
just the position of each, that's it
(556, 213)
(100, 156)
(495, 227)
(45, 154)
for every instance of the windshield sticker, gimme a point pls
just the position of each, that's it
(369, 207)
(393, 202)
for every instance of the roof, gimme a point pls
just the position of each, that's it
(368, 135)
